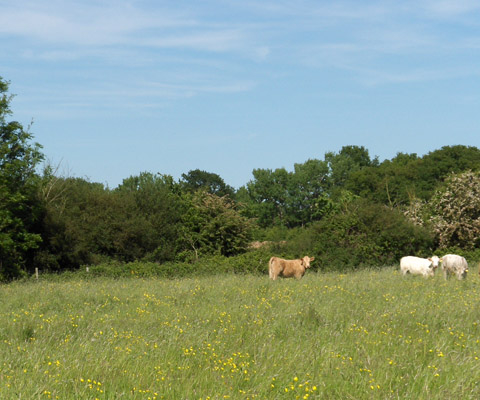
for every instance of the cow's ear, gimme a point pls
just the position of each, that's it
(429, 259)
(312, 259)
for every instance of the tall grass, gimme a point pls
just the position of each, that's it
(371, 334)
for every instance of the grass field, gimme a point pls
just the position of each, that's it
(371, 334)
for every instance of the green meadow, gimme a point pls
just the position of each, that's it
(370, 334)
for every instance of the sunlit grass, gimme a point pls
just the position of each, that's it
(368, 334)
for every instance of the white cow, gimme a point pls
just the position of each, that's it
(454, 264)
(419, 266)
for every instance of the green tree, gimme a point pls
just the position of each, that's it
(290, 199)
(57, 250)
(348, 160)
(213, 225)
(86, 223)
(159, 200)
(394, 182)
(211, 182)
(309, 198)
(86, 216)
(407, 177)
(437, 165)
(307, 194)
(268, 192)
(19, 209)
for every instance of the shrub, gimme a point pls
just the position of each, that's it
(251, 262)
(456, 211)
(363, 234)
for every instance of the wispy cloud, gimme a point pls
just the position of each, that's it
(229, 46)
(112, 24)
(145, 96)
(450, 8)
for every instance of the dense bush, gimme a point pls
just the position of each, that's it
(455, 211)
(363, 234)
(212, 225)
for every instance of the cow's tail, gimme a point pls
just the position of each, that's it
(270, 268)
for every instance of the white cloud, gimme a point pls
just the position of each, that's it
(228, 46)
(113, 24)
(96, 24)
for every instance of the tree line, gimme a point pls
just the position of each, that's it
(348, 209)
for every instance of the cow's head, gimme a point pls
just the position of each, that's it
(435, 261)
(306, 261)
(464, 271)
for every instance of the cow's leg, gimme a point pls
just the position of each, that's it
(273, 274)
(298, 275)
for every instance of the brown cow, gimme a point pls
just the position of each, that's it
(288, 268)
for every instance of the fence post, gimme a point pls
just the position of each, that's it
(36, 273)
(88, 269)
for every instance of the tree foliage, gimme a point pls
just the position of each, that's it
(291, 199)
(405, 177)
(19, 209)
(278, 197)
(343, 164)
(208, 181)
(86, 222)
(213, 225)
(158, 199)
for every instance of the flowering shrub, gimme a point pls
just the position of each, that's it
(455, 211)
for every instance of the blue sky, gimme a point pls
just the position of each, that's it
(119, 87)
